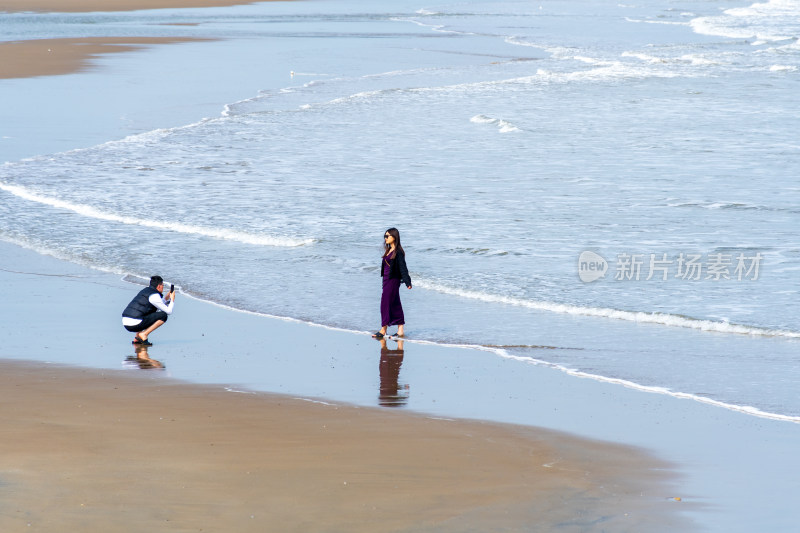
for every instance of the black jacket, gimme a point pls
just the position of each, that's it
(399, 270)
(140, 306)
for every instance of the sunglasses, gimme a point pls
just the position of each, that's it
(386, 236)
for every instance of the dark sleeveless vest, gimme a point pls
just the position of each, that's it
(140, 306)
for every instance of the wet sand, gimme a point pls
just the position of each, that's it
(49, 57)
(93, 450)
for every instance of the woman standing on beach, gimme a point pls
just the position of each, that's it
(393, 271)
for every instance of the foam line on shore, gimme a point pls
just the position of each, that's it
(501, 352)
(640, 317)
(215, 233)
(745, 409)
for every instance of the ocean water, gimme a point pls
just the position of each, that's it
(523, 149)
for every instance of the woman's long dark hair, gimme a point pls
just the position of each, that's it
(398, 249)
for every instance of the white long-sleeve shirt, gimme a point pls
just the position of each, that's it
(158, 302)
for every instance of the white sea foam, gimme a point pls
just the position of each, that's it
(92, 212)
(686, 59)
(592, 61)
(608, 71)
(644, 57)
(762, 9)
(503, 352)
(518, 41)
(365, 95)
(782, 68)
(231, 109)
(650, 21)
(433, 27)
(641, 317)
(746, 409)
(503, 126)
(608, 68)
(712, 26)
(717, 205)
(605, 70)
(717, 26)
(696, 60)
(766, 21)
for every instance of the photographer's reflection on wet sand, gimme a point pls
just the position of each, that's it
(142, 360)
(392, 394)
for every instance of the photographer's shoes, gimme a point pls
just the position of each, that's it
(141, 342)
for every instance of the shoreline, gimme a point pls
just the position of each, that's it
(208, 346)
(168, 456)
(52, 57)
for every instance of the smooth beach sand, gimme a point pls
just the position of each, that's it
(88, 450)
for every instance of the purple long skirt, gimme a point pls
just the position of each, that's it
(391, 308)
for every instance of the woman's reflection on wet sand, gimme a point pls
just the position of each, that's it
(392, 394)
